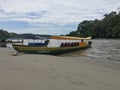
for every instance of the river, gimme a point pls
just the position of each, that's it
(102, 49)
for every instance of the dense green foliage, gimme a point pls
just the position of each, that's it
(5, 34)
(108, 27)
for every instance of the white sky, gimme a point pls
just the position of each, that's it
(46, 16)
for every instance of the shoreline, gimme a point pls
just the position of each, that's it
(46, 72)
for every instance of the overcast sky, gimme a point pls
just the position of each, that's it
(51, 16)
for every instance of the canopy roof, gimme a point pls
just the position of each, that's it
(29, 36)
(69, 38)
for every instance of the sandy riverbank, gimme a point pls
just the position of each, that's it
(45, 72)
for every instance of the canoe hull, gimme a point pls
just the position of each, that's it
(47, 50)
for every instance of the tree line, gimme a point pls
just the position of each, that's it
(4, 34)
(108, 27)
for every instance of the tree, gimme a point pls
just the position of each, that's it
(108, 27)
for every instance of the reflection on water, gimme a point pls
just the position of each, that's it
(101, 49)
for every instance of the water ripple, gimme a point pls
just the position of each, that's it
(107, 49)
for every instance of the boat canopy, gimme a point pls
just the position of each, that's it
(69, 38)
(30, 36)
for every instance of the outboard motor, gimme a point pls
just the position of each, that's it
(90, 43)
(47, 41)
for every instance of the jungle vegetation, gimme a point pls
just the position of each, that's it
(108, 27)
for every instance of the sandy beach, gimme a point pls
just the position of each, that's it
(46, 72)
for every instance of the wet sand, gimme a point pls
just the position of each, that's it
(45, 72)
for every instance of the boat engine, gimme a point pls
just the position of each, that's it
(90, 43)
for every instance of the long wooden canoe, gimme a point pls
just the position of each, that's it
(47, 50)
(64, 47)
